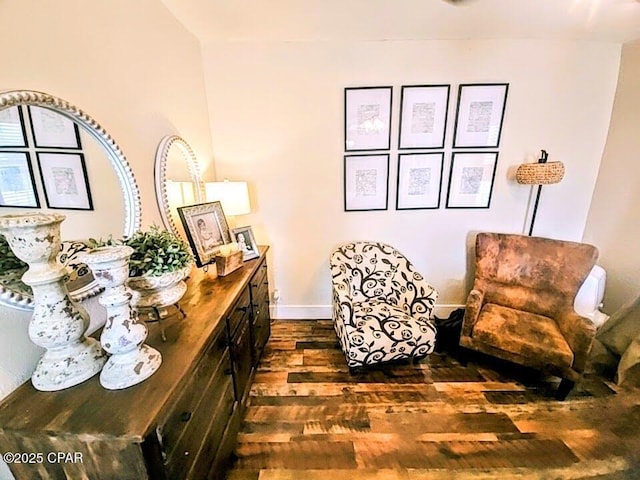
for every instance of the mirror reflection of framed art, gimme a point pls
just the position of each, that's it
(17, 182)
(53, 130)
(12, 130)
(65, 181)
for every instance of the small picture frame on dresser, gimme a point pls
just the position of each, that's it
(246, 241)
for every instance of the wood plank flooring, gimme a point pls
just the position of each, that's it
(441, 418)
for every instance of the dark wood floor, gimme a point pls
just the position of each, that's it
(439, 419)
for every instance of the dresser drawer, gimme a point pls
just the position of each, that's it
(241, 357)
(204, 427)
(214, 362)
(261, 331)
(260, 277)
(238, 312)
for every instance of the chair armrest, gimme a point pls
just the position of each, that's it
(472, 311)
(579, 333)
(418, 298)
(342, 308)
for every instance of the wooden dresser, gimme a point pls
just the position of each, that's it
(181, 423)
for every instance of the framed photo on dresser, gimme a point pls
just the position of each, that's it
(207, 229)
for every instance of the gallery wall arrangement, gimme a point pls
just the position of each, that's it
(422, 127)
(30, 136)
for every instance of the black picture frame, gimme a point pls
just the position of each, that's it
(17, 181)
(424, 125)
(480, 114)
(413, 190)
(207, 229)
(367, 118)
(13, 133)
(65, 180)
(471, 179)
(51, 130)
(366, 182)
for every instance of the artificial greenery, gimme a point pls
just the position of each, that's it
(155, 251)
(8, 260)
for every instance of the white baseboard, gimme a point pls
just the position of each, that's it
(312, 312)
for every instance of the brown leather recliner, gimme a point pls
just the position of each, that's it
(521, 306)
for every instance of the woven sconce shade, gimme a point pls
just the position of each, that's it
(540, 173)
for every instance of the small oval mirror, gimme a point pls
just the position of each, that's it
(178, 181)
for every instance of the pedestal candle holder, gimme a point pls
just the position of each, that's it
(131, 361)
(58, 324)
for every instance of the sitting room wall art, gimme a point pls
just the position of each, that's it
(419, 180)
(471, 179)
(423, 116)
(479, 115)
(366, 179)
(367, 118)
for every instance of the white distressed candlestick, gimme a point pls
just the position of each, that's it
(131, 360)
(58, 324)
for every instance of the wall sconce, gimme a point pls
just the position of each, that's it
(541, 173)
(234, 196)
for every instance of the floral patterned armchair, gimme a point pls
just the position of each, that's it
(381, 305)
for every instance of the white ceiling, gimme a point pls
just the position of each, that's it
(334, 20)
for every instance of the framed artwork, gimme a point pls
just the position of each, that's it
(246, 240)
(419, 181)
(17, 183)
(65, 181)
(423, 116)
(471, 179)
(367, 118)
(206, 227)
(479, 115)
(12, 131)
(366, 179)
(53, 130)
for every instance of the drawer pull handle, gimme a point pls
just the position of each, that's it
(228, 371)
(243, 309)
(185, 416)
(266, 282)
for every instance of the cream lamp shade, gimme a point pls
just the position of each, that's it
(234, 196)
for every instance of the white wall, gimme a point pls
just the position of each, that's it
(276, 113)
(132, 67)
(613, 223)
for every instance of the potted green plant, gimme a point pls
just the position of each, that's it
(157, 268)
